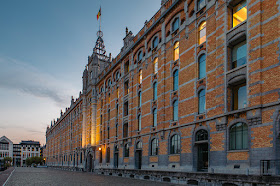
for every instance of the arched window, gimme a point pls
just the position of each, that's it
(108, 155)
(175, 24)
(201, 135)
(175, 80)
(140, 56)
(140, 99)
(139, 122)
(176, 51)
(175, 110)
(154, 147)
(201, 98)
(139, 145)
(109, 83)
(238, 137)
(155, 91)
(202, 66)
(202, 32)
(126, 150)
(155, 65)
(175, 144)
(140, 76)
(155, 42)
(117, 75)
(155, 117)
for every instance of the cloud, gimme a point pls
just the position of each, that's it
(26, 78)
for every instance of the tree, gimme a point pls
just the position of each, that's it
(7, 161)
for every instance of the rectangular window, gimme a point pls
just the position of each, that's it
(126, 67)
(140, 99)
(239, 54)
(239, 13)
(239, 95)
(126, 89)
(126, 108)
(140, 77)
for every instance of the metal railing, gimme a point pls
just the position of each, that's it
(270, 167)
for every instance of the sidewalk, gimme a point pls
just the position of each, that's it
(5, 174)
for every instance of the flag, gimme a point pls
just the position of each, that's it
(98, 14)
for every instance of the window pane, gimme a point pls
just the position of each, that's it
(139, 122)
(239, 13)
(140, 99)
(239, 54)
(155, 117)
(245, 137)
(156, 66)
(140, 76)
(176, 51)
(175, 80)
(201, 101)
(202, 32)
(239, 96)
(200, 4)
(175, 24)
(155, 42)
(140, 56)
(155, 91)
(175, 110)
(202, 66)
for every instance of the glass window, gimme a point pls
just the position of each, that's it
(109, 115)
(175, 110)
(154, 147)
(109, 82)
(175, 144)
(140, 76)
(108, 132)
(108, 155)
(117, 130)
(176, 51)
(202, 66)
(239, 96)
(117, 111)
(155, 65)
(200, 4)
(202, 32)
(175, 24)
(155, 91)
(125, 130)
(155, 42)
(239, 13)
(140, 99)
(126, 150)
(125, 108)
(139, 122)
(239, 54)
(154, 117)
(139, 145)
(126, 89)
(118, 92)
(238, 136)
(140, 56)
(175, 80)
(126, 67)
(201, 135)
(117, 75)
(201, 97)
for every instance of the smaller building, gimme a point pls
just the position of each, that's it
(6, 147)
(17, 155)
(29, 149)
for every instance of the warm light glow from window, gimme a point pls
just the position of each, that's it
(140, 76)
(118, 92)
(202, 32)
(176, 51)
(239, 13)
(99, 149)
(156, 66)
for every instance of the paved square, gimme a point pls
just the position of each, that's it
(48, 176)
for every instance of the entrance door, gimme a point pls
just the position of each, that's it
(202, 159)
(116, 159)
(138, 159)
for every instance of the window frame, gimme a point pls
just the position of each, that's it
(155, 64)
(173, 23)
(177, 143)
(154, 117)
(200, 29)
(200, 62)
(244, 139)
(232, 13)
(153, 42)
(139, 120)
(126, 150)
(201, 110)
(176, 47)
(155, 91)
(154, 147)
(175, 111)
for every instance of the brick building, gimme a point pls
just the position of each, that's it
(197, 89)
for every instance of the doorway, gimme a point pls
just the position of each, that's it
(202, 151)
(138, 155)
(116, 157)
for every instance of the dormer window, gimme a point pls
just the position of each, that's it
(175, 24)
(155, 42)
(140, 56)
(200, 4)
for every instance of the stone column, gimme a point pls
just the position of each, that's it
(84, 123)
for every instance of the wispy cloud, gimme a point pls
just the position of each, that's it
(26, 78)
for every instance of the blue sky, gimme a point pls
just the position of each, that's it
(44, 45)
